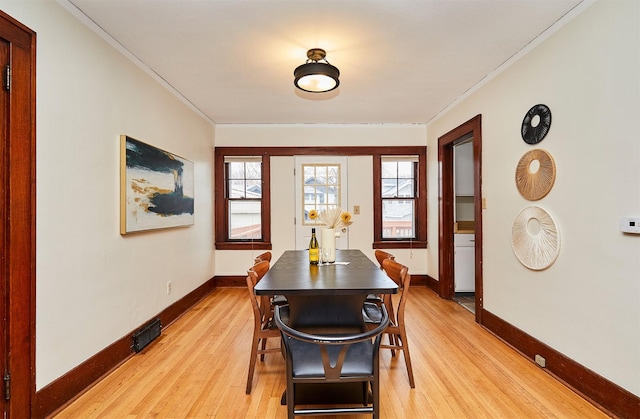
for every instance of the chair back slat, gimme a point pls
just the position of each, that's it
(259, 305)
(396, 271)
(333, 372)
(381, 255)
(399, 273)
(263, 256)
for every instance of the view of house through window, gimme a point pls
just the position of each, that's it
(244, 197)
(398, 193)
(321, 188)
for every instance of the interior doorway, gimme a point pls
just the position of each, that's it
(17, 218)
(464, 224)
(469, 132)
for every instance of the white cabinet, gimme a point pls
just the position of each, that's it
(464, 262)
(463, 173)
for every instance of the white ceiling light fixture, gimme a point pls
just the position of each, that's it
(315, 76)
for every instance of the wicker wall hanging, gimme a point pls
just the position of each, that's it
(536, 124)
(535, 238)
(535, 174)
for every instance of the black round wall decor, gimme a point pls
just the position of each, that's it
(534, 134)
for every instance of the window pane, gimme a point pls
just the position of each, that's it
(398, 219)
(308, 208)
(320, 175)
(309, 173)
(253, 170)
(245, 220)
(333, 175)
(405, 188)
(405, 169)
(389, 169)
(333, 196)
(389, 188)
(237, 189)
(236, 170)
(254, 189)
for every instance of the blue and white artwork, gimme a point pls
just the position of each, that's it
(156, 188)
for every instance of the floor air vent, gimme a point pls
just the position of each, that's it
(146, 335)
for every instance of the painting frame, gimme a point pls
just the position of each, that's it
(156, 188)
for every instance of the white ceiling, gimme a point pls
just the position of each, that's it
(401, 61)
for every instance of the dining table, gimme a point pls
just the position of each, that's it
(326, 296)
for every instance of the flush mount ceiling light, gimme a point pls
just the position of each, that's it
(315, 76)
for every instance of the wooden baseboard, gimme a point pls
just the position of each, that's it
(433, 284)
(231, 281)
(65, 389)
(593, 387)
(419, 280)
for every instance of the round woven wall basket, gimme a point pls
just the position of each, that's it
(535, 238)
(535, 174)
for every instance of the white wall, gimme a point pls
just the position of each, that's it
(587, 304)
(93, 285)
(282, 182)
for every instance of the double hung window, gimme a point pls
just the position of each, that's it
(398, 194)
(244, 197)
(240, 186)
(399, 201)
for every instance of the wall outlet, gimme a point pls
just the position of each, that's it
(169, 286)
(541, 361)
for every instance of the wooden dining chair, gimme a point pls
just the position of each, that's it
(382, 255)
(330, 359)
(263, 326)
(396, 331)
(276, 300)
(263, 256)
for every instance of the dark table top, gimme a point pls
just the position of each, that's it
(293, 275)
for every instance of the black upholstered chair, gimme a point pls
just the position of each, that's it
(332, 360)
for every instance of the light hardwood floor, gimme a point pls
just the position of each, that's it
(198, 369)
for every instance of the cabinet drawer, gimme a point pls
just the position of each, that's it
(460, 240)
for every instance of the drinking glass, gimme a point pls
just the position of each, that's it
(326, 251)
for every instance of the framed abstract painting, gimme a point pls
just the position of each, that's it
(156, 188)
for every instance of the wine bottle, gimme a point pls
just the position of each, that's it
(314, 249)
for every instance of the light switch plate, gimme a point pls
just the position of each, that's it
(630, 225)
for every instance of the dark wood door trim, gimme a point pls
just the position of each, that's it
(18, 206)
(445, 208)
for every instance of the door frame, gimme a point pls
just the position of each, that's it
(446, 200)
(19, 205)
